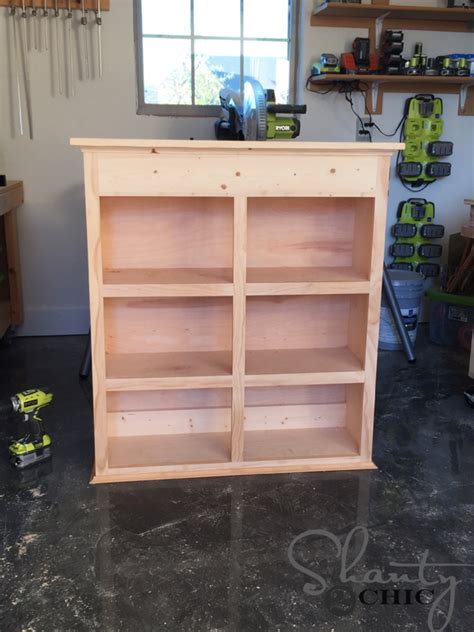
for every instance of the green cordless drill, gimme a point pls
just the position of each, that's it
(35, 445)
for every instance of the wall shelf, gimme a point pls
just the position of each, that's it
(380, 16)
(418, 18)
(379, 85)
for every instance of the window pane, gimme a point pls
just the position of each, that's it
(167, 71)
(216, 18)
(266, 18)
(217, 66)
(159, 17)
(268, 63)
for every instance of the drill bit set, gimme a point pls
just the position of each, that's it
(50, 26)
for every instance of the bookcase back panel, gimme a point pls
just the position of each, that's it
(297, 322)
(166, 232)
(167, 325)
(300, 232)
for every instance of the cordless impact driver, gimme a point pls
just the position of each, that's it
(35, 445)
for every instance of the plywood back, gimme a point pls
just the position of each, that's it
(297, 322)
(168, 325)
(300, 232)
(165, 232)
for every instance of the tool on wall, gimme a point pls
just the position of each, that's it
(34, 24)
(414, 233)
(16, 66)
(45, 29)
(85, 48)
(57, 54)
(421, 132)
(256, 116)
(26, 67)
(35, 445)
(71, 86)
(98, 19)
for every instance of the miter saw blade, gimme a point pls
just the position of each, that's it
(254, 112)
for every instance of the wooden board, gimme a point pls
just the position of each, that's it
(235, 290)
(11, 197)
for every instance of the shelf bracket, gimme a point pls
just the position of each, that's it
(379, 28)
(462, 97)
(375, 95)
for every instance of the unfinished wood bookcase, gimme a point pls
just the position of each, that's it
(235, 292)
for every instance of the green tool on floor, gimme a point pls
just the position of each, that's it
(422, 131)
(414, 231)
(35, 445)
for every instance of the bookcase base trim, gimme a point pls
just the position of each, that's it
(117, 475)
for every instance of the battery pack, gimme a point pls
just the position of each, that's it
(432, 231)
(428, 269)
(404, 230)
(402, 250)
(409, 169)
(438, 169)
(430, 251)
(440, 148)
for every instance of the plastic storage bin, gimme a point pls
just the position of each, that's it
(451, 318)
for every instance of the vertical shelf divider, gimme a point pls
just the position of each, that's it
(238, 334)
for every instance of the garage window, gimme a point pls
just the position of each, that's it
(188, 50)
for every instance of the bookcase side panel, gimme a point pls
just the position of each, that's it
(94, 247)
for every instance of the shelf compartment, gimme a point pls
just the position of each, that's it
(167, 235)
(168, 342)
(169, 450)
(298, 281)
(306, 339)
(168, 428)
(303, 422)
(308, 244)
(168, 282)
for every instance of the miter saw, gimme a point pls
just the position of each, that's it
(256, 116)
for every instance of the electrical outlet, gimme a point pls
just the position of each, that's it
(362, 137)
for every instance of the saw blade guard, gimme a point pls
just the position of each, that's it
(254, 112)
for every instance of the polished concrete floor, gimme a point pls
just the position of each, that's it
(249, 553)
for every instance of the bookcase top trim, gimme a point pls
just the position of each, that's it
(241, 146)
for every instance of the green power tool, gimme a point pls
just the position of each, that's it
(422, 131)
(256, 116)
(35, 445)
(414, 231)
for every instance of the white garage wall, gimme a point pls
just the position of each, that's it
(51, 222)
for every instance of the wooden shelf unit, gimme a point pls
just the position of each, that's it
(235, 292)
(380, 16)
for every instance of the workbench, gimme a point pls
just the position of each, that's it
(235, 298)
(11, 304)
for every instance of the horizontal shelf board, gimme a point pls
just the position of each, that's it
(298, 444)
(294, 281)
(406, 80)
(143, 371)
(165, 450)
(405, 12)
(168, 282)
(302, 366)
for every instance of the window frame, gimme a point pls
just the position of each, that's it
(206, 110)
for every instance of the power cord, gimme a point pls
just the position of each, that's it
(348, 89)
